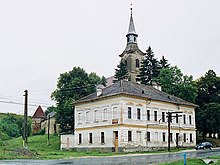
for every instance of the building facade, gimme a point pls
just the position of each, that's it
(132, 117)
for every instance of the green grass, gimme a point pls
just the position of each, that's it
(39, 146)
(188, 162)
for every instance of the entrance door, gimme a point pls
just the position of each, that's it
(116, 141)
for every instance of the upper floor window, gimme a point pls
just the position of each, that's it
(138, 113)
(129, 112)
(80, 117)
(177, 120)
(163, 116)
(115, 112)
(190, 119)
(184, 119)
(155, 115)
(137, 63)
(148, 115)
(96, 115)
(104, 114)
(88, 116)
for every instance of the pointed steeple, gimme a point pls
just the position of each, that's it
(131, 36)
(131, 28)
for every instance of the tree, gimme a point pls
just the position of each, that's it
(72, 86)
(174, 82)
(121, 72)
(163, 63)
(208, 100)
(149, 69)
(208, 119)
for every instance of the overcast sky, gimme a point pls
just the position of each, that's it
(41, 39)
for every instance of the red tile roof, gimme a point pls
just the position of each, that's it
(39, 113)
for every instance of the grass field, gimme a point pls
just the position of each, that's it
(38, 148)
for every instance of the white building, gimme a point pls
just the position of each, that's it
(127, 116)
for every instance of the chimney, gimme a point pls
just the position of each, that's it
(98, 92)
(156, 86)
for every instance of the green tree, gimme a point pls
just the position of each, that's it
(72, 86)
(208, 99)
(174, 82)
(149, 69)
(208, 119)
(163, 63)
(121, 72)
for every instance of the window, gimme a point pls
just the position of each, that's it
(177, 120)
(184, 119)
(184, 137)
(148, 115)
(137, 63)
(87, 116)
(148, 136)
(138, 113)
(104, 115)
(190, 119)
(155, 115)
(129, 112)
(164, 136)
(102, 138)
(80, 138)
(171, 137)
(96, 115)
(129, 136)
(139, 136)
(163, 116)
(115, 112)
(177, 138)
(80, 117)
(191, 138)
(90, 138)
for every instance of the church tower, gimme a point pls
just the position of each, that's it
(132, 55)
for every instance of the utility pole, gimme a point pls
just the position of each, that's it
(169, 120)
(48, 130)
(25, 131)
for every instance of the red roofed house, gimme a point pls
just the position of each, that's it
(37, 119)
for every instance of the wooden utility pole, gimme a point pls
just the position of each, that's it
(25, 131)
(169, 120)
(48, 130)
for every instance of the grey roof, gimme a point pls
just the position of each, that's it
(134, 89)
(131, 28)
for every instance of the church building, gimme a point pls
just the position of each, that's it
(127, 116)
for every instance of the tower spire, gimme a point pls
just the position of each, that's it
(131, 36)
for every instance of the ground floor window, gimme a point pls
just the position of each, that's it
(102, 137)
(184, 137)
(129, 136)
(164, 136)
(80, 138)
(90, 138)
(190, 138)
(171, 137)
(139, 136)
(148, 136)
